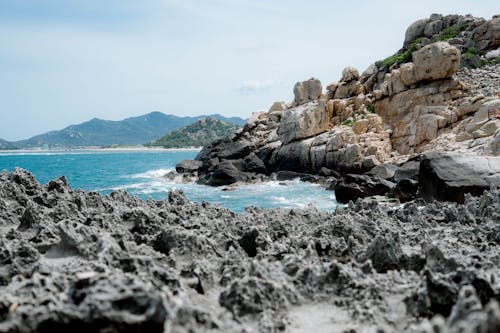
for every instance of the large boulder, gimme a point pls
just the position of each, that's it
(303, 122)
(448, 176)
(353, 186)
(225, 173)
(416, 29)
(306, 91)
(432, 62)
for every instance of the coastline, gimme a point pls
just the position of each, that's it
(97, 149)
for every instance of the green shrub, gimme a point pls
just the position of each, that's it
(448, 33)
(403, 57)
(470, 53)
(371, 108)
(349, 122)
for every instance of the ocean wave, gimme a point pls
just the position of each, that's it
(158, 173)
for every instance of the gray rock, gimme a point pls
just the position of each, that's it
(449, 176)
(188, 166)
(352, 187)
(415, 30)
(303, 121)
(226, 173)
(306, 91)
(349, 74)
(384, 171)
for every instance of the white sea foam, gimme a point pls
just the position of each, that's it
(158, 173)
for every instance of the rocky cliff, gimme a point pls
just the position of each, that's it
(440, 92)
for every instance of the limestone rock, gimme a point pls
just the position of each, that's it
(303, 121)
(306, 91)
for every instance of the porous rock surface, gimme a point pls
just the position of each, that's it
(78, 261)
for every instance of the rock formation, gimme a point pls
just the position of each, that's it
(80, 262)
(424, 98)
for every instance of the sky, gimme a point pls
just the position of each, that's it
(65, 62)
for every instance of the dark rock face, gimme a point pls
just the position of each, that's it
(79, 261)
(225, 173)
(188, 166)
(449, 176)
(352, 187)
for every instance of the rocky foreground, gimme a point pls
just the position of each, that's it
(77, 261)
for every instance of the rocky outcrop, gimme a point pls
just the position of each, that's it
(450, 176)
(387, 114)
(432, 62)
(303, 122)
(307, 91)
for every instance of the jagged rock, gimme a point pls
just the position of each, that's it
(252, 163)
(406, 190)
(449, 176)
(303, 122)
(348, 89)
(306, 91)
(352, 187)
(349, 74)
(384, 252)
(487, 34)
(277, 106)
(188, 166)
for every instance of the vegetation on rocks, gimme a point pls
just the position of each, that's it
(401, 57)
(200, 133)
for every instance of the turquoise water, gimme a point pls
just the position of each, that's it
(140, 173)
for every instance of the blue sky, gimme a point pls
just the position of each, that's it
(67, 61)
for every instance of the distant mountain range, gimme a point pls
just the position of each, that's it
(5, 145)
(200, 133)
(99, 133)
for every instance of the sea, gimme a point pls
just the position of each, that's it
(141, 172)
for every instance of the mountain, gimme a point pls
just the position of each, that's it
(6, 145)
(200, 133)
(130, 131)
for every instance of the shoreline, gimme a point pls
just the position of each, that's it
(97, 149)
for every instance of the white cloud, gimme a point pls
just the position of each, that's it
(256, 86)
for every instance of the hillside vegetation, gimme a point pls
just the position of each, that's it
(200, 133)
